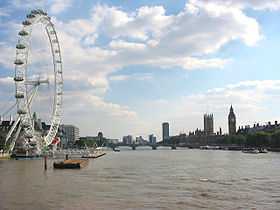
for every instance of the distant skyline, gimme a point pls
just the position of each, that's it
(129, 66)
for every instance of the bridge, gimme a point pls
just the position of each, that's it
(134, 146)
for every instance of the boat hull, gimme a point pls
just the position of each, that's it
(70, 164)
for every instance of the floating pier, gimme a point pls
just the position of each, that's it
(5, 156)
(71, 164)
(94, 155)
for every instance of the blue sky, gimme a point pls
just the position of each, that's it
(130, 65)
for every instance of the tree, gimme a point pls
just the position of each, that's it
(258, 139)
(275, 139)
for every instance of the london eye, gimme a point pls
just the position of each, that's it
(27, 87)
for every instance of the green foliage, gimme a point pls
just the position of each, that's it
(94, 142)
(275, 139)
(236, 139)
(258, 139)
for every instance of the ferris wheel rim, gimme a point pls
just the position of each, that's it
(21, 63)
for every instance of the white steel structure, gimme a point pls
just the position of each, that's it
(26, 89)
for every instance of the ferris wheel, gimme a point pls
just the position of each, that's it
(26, 87)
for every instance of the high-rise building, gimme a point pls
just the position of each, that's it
(231, 122)
(128, 139)
(208, 124)
(165, 131)
(71, 133)
(152, 139)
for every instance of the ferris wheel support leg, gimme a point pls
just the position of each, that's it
(12, 145)
(12, 129)
(17, 123)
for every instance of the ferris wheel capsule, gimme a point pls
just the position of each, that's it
(26, 23)
(18, 78)
(23, 33)
(18, 62)
(35, 12)
(30, 16)
(20, 46)
(21, 111)
(19, 95)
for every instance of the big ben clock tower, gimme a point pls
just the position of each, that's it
(231, 122)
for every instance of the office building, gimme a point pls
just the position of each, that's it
(127, 139)
(165, 131)
(71, 133)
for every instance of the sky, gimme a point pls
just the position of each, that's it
(130, 65)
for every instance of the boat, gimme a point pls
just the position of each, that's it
(250, 151)
(207, 147)
(71, 164)
(116, 150)
(263, 150)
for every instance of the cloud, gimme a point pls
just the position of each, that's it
(30, 4)
(190, 63)
(54, 6)
(188, 35)
(7, 55)
(3, 12)
(254, 4)
(92, 114)
(141, 24)
(123, 45)
(58, 6)
(148, 36)
(140, 77)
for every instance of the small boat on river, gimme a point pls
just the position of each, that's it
(116, 150)
(263, 150)
(250, 151)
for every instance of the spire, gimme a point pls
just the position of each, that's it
(231, 112)
(231, 109)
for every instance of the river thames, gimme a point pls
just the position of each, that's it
(146, 179)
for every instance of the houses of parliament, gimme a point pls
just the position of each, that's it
(208, 122)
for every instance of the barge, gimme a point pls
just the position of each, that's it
(71, 164)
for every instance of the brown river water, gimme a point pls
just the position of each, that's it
(146, 179)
